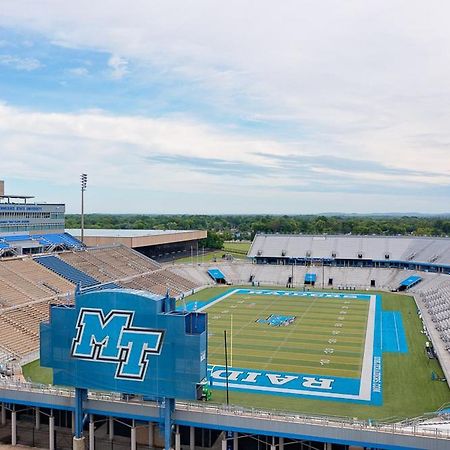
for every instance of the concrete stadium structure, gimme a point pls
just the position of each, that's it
(414, 253)
(29, 284)
(163, 245)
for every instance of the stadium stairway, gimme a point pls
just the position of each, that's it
(71, 273)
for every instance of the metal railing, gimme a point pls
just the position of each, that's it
(431, 431)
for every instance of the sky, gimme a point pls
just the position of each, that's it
(245, 106)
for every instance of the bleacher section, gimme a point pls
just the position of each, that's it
(110, 263)
(67, 271)
(43, 242)
(424, 251)
(28, 285)
(23, 280)
(161, 281)
(61, 240)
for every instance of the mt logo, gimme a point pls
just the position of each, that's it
(112, 338)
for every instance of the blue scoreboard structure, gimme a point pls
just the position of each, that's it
(129, 342)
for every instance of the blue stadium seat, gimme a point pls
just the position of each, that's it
(70, 273)
(62, 239)
(59, 239)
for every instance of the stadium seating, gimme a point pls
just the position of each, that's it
(39, 276)
(67, 271)
(161, 281)
(110, 263)
(380, 248)
(23, 280)
(61, 239)
(124, 260)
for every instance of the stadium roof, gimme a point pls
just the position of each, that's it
(122, 233)
(21, 197)
(136, 238)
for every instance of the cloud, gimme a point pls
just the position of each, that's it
(119, 67)
(194, 165)
(310, 96)
(19, 63)
(213, 166)
(352, 78)
(78, 71)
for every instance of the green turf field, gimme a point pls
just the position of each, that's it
(408, 390)
(305, 346)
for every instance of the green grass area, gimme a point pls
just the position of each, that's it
(237, 247)
(209, 257)
(34, 372)
(408, 390)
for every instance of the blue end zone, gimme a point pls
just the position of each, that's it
(286, 384)
(393, 333)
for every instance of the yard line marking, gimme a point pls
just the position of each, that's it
(298, 320)
(396, 332)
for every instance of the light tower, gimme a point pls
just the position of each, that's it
(83, 177)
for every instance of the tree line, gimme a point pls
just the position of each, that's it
(240, 227)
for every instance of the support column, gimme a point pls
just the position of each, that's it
(235, 441)
(133, 437)
(169, 406)
(77, 419)
(73, 422)
(191, 438)
(80, 394)
(328, 446)
(281, 443)
(51, 432)
(3, 414)
(38, 419)
(177, 438)
(13, 428)
(91, 432)
(272, 445)
(78, 443)
(224, 441)
(111, 428)
(151, 435)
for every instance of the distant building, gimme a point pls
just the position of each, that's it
(30, 227)
(162, 245)
(18, 214)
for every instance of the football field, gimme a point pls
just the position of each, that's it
(322, 336)
(295, 343)
(334, 353)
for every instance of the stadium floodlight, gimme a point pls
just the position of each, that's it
(83, 178)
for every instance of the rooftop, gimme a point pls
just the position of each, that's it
(93, 232)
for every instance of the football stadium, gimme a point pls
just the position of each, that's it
(311, 342)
